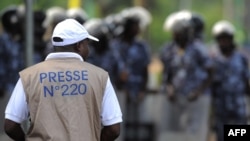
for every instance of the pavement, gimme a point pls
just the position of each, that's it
(153, 110)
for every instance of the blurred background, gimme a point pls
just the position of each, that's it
(151, 113)
(213, 10)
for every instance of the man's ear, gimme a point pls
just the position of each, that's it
(77, 47)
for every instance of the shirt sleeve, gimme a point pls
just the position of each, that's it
(17, 107)
(111, 112)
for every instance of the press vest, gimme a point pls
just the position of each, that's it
(64, 97)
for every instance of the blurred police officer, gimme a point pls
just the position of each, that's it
(78, 14)
(11, 51)
(133, 55)
(39, 31)
(230, 79)
(186, 74)
(11, 55)
(54, 15)
(100, 52)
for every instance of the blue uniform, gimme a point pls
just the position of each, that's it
(107, 61)
(133, 58)
(186, 70)
(229, 89)
(11, 62)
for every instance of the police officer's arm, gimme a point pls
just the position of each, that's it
(14, 130)
(246, 76)
(247, 87)
(169, 86)
(247, 84)
(110, 133)
(207, 64)
(203, 86)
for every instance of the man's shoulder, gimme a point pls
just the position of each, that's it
(32, 67)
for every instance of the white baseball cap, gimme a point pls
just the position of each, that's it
(68, 32)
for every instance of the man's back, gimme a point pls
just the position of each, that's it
(63, 101)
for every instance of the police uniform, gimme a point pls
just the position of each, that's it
(230, 79)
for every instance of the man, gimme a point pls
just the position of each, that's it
(185, 76)
(230, 81)
(54, 15)
(11, 55)
(101, 54)
(65, 98)
(133, 56)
